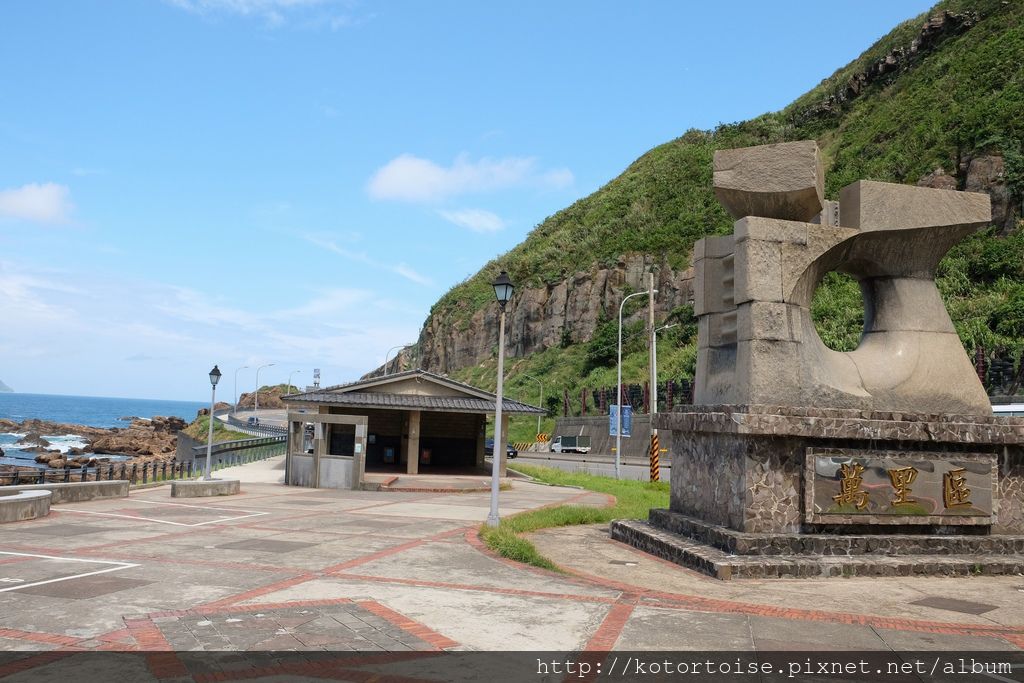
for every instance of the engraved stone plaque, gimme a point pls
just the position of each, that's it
(852, 486)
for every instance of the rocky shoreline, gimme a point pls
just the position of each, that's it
(141, 441)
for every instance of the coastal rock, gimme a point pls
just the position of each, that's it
(32, 439)
(157, 436)
(220, 405)
(270, 397)
(57, 464)
(47, 427)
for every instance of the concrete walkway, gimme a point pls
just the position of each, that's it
(279, 568)
(269, 471)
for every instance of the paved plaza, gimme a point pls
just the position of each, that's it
(278, 568)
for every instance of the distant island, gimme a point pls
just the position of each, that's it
(4, 389)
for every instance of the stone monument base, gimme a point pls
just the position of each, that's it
(728, 554)
(767, 491)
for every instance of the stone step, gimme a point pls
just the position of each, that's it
(818, 544)
(719, 564)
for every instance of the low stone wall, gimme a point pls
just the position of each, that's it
(201, 488)
(76, 492)
(18, 506)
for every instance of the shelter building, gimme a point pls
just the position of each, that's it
(414, 422)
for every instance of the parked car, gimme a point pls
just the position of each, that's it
(509, 451)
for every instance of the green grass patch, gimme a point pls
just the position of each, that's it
(633, 500)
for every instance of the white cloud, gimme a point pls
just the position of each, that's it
(311, 13)
(413, 179)
(362, 257)
(476, 220)
(38, 203)
(61, 333)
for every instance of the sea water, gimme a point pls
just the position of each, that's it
(92, 411)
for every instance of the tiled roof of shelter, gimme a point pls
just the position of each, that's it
(355, 394)
(458, 404)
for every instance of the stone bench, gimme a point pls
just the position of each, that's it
(201, 488)
(17, 506)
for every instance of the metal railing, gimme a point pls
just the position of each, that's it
(231, 453)
(134, 472)
(224, 454)
(256, 430)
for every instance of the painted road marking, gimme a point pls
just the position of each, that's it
(249, 513)
(118, 567)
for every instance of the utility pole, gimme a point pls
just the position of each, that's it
(655, 446)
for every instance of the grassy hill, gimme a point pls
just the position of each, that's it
(914, 102)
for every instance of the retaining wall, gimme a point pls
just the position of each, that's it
(596, 427)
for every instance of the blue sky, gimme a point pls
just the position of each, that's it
(242, 182)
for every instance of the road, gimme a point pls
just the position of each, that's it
(632, 468)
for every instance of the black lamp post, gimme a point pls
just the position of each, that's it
(214, 378)
(502, 292)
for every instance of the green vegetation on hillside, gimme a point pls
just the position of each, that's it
(199, 430)
(960, 97)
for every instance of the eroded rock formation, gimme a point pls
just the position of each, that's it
(541, 317)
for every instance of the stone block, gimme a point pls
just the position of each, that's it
(201, 488)
(772, 230)
(767, 320)
(767, 370)
(870, 205)
(713, 246)
(757, 274)
(784, 180)
(714, 290)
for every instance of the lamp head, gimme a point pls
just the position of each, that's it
(214, 375)
(502, 288)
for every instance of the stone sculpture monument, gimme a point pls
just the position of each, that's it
(883, 460)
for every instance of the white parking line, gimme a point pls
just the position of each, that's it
(118, 567)
(164, 521)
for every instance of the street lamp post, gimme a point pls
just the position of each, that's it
(214, 378)
(290, 374)
(541, 404)
(256, 398)
(618, 389)
(388, 354)
(503, 292)
(234, 406)
(654, 367)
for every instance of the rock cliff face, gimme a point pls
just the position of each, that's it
(565, 312)
(981, 173)
(938, 28)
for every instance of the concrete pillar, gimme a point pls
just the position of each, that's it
(413, 447)
(500, 449)
(481, 439)
(403, 450)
